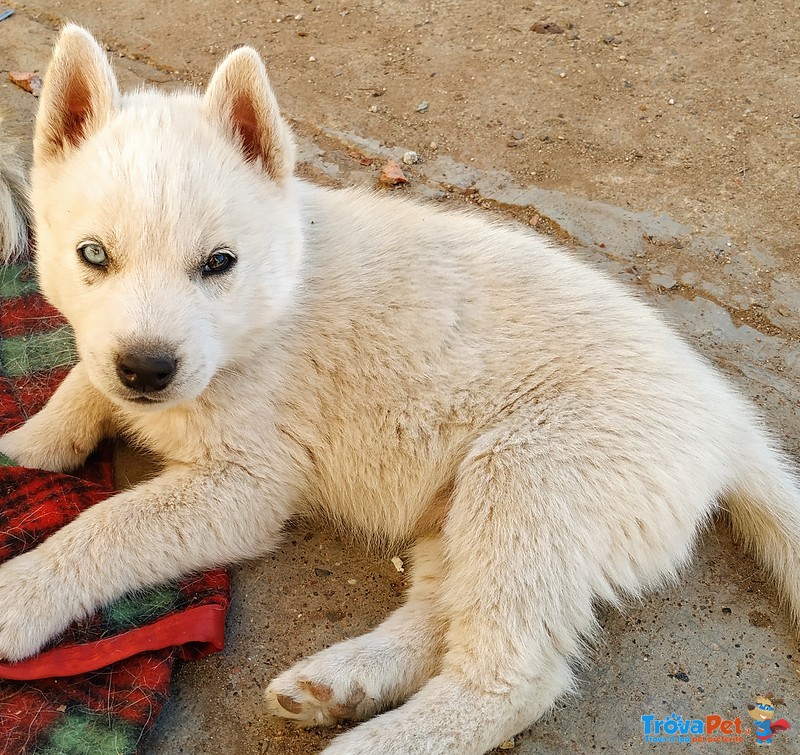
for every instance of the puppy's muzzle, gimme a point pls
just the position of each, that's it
(146, 372)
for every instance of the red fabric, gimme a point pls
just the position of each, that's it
(17, 314)
(196, 632)
(35, 505)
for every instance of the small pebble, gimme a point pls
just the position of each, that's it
(664, 281)
(392, 175)
(410, 158)
(671, 101)
(30, 81)
(373, 108)
(542, 27)
(312, 59)
(422, 107)
(518, 135)
(298, 17)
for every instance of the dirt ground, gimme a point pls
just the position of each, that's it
(659, 139)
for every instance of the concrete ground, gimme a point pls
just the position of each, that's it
(660, 141)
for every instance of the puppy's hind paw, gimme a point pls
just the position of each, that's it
(311, 703)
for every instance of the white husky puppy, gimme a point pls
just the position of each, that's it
(538, 434)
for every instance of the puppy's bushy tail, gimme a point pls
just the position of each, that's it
(14, 217)
(764, 507)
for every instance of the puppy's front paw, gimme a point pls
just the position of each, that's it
(33, 608)
(37, 447)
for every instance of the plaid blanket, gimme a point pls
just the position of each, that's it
(98, 688)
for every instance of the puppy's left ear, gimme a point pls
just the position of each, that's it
(240, 99)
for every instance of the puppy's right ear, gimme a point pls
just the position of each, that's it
(78, 96)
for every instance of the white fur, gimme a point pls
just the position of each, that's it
(13, 198)
(407, 373)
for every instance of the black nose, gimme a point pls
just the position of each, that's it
(146, 373)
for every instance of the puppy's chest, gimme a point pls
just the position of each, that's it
(376, 467)
(199, 435)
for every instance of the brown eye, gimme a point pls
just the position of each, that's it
(218, 262)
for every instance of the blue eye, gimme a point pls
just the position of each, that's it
(218, 262)
(93, 253)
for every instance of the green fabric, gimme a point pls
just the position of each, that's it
(38, 352)
(17, 280)
(89, 733)
(141, 607)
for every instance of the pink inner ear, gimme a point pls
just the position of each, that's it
(246, 122)
(76, 113)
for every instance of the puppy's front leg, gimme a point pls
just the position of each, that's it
(60, 437)
(183, 521)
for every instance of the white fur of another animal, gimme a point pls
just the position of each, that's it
(13, 198)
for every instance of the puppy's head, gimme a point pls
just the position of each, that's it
(167, 232)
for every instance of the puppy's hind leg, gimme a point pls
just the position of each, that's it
(521, 570)
(357, 678)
